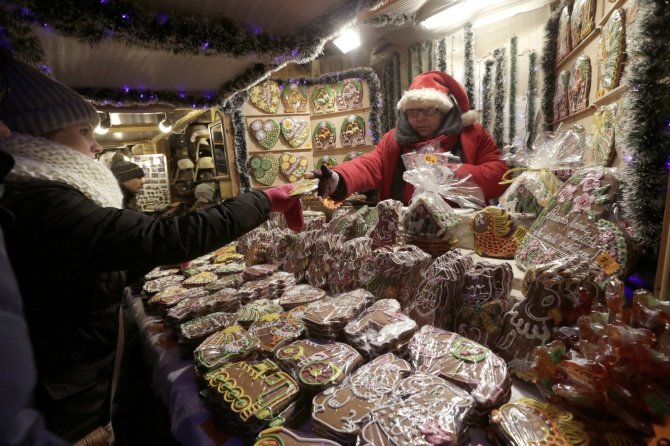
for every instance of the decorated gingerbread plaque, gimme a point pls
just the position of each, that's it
(265, 96)
(561, 102)
(328, 160)
(324, 135)
(580, 84)
(294, 98)
(266, 132)
(293, 166)
(349, 94)
(564, 38)
(352, 131)
(581, 219)
(611, 52)
(295, 131)
(275, 330)
(582, 20)
(323, 100)
(602, 150)
(264, 169)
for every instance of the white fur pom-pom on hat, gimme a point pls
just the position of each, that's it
(437, 89)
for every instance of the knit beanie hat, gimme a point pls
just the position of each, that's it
(205, 191)
(36, 104)
(437, 89)
(124, 170)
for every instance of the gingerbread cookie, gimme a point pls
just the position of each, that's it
(193, 332)
(495, 232)
(323, 100)
(352, 131)
(326, 318)
(275, 330)
(255, 310)
(349, 94)
(385, 232)
(231, 344)
(294, 98)
(281, 436)
(156, 285)
(324, 135)
(265, 96)
(293, 166)
(295, 131)
(300, 295)
(227, 281)
(226, 300)
(264, 169)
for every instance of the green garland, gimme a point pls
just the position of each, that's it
(418, 48)
(499, 100)
(469, 65)
(387, 82)
(381, 20)
(233, 106)
(442, 54)
(549, 66)
(646, 126)
(487, 97)
(428, 46)
(398, 82)
(514, 77)
(92, 21)
(410, 73)
(532, 97)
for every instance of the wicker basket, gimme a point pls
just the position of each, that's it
(433, 246)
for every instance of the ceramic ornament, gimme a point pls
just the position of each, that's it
(601, 151)
(564, 37)
(324, 135)
(352, 155)
(583, 20)
(292, 166)
(264, 168)
(323, 100)
(611, 53)
(294, 98)
(352, 131)
(295, 131)
(265, 96)
(349, 94)
(328, 160)
(266, 133)
(580, 84)
(561, 106)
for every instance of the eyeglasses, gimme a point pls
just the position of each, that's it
(415, 112)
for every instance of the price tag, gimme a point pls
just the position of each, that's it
(430, 158)
(607, 263)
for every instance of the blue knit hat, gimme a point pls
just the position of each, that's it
(35, 104)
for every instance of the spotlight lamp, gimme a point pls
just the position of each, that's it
(104, 125)
(165, 125)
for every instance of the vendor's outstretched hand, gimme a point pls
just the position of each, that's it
(281, 201)
(328, 180)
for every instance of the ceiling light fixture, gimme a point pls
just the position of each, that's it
(104, 125)
(458, 13)
(165, 125)
(508, 13)
(348, 40)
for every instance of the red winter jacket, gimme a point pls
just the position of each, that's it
(374, 170)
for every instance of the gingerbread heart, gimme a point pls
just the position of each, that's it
(352, 131)
(294, 98)
(265, 96)
(323, 100)
(265, 132)
(324, 135)
(264, 168)
(295, 131)
(293, 166)
(349, 94)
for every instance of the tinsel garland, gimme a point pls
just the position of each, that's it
(387, 80)
(469, 62)
(17, 37)
(410, 62)
(499, 100)
(532, 97)
(381, 20)
(398, 81)
(646, 124)
(419, 57)
(487, 97)
(428, 46)
(513, 78)
(233, 106)
(549, 66)
(442, 54)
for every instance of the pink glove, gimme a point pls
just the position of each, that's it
(291, 207)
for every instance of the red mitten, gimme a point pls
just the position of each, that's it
(291, 207)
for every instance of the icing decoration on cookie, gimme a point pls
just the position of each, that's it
(611, 53)
(324, 135)
(328, 160)
(323, 99)
(349, 94)
(264, 168)
(352, 131)
(293, 166)
(295, 131)
(601, 151)
(265, 96)
(582, 20)
(265, 132)
(294, 98)
(564, 38)
(580, 84)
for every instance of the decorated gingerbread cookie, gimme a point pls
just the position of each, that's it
(265, 96)
(495, 233)
(302, 294)
(264, 169)
(580, 84)
(324, 135)
(601, 151)
(231, 344)
(352, 131)
(323, 100)
(295, 131)
(195, 331)
(255, 310)
(328, 160)
(611, 52)
(293, 166)
(275, 330)
(266, 132)
(561, 100)
(294, 98)
(582, 20)
(564, 36)
(282, 436)
(349, 94)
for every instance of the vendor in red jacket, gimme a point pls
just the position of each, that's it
(434, 109)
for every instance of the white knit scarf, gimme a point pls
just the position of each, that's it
(40, 159)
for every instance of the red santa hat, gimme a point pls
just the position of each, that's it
(437, 89)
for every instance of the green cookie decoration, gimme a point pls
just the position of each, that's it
(265, 132)
(295, 131)
(264, 168)
(323, 100)
(352, 131)
(329, 160)
(294, 98)
(349, 94)
(265, 96)
(324, 135)
(351, 155)
(293, 166)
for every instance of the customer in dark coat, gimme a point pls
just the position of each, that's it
(71, 243)
(130, 177)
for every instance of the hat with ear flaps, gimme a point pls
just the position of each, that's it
(35, 104)
(437, 89)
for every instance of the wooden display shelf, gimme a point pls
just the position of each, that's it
(325, 116)
(614, 7)
(277, 116)
(581, 113)
(580, 46)
(611, 96)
